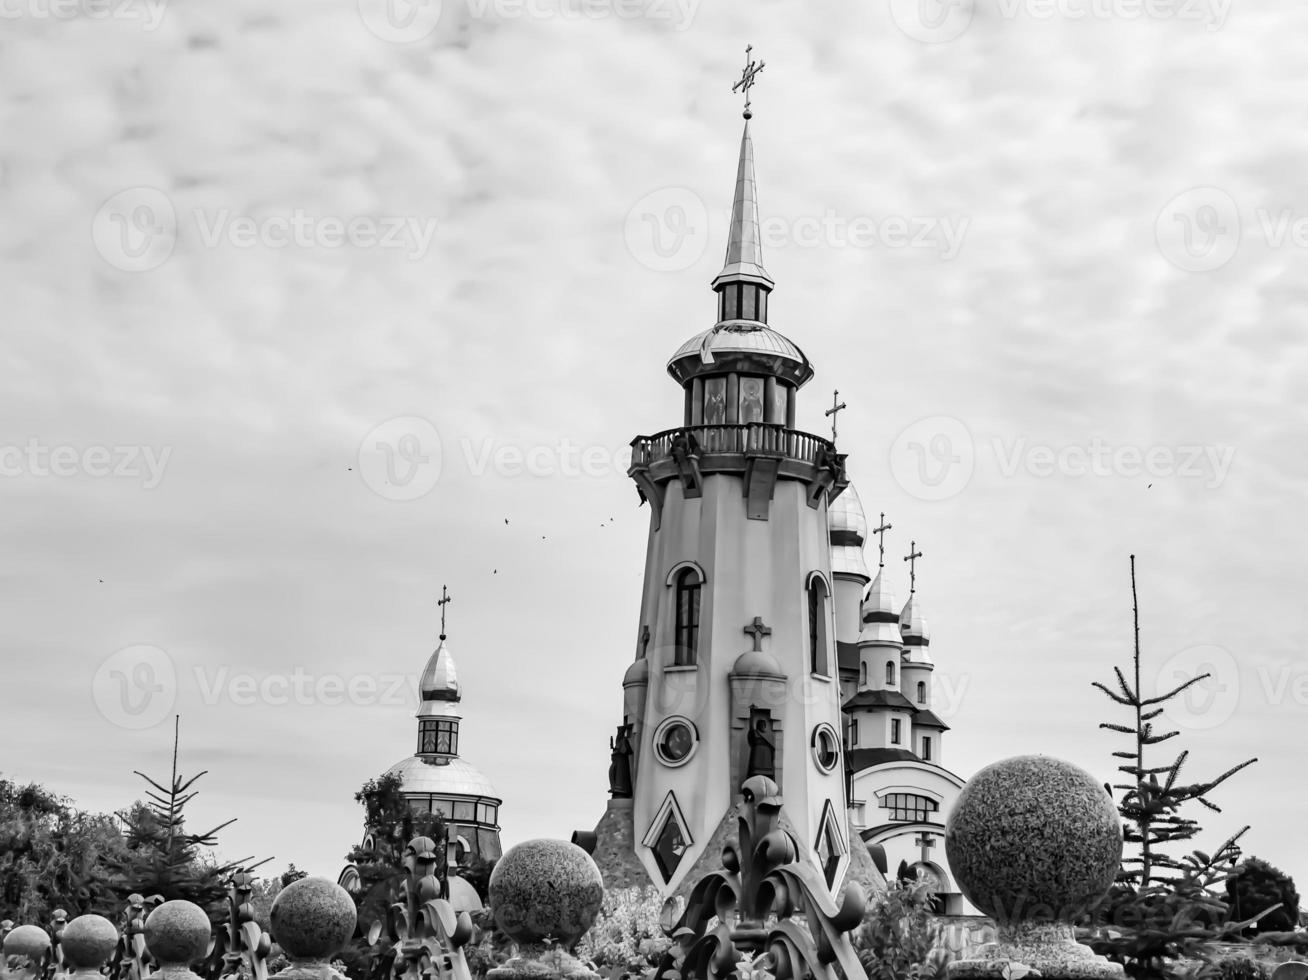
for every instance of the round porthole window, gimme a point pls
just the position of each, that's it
(826, 748)
(675, 741)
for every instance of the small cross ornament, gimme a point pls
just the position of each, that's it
(912, 557)
(758, 631)
(881, 540)
(443, 601)
(836, 406)
(752, 68)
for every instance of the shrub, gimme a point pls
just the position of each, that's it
(627, 939)
(895, 939)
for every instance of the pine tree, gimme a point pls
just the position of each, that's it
(1162, 907)
(1150, 808)
(164, 861)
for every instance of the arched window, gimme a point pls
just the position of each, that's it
(817, 626)
(895, 726)
(853, 732)
(921, 692)
(926, 749)
(686, 633)
(862, 675)
(909, 807)
(890, 672)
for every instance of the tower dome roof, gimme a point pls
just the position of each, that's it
(879, 603)
(439, 680)
(457, 777)
(913, 622)
(847, 528)
(845, 514)
(637, 673)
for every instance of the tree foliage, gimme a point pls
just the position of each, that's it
(53, 855)
(1164, 906)
(163, 858)
(1256, 886)
(895, 939)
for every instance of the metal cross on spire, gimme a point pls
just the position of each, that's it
(443, 601)
(752, 68)
(881, 540)
(912, 557)
(836, 406)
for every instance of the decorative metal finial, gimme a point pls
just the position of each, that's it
(912, 557)
(881, 540)
(442, 602)
(752, 68)
(836, 406)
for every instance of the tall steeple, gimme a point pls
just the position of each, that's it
(744, 259)
(743, 284)
(736, 673)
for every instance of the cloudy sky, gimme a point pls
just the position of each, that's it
(313, 307)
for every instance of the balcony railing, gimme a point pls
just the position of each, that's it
(750, 438)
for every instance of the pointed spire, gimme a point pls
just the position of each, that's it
(744, 259)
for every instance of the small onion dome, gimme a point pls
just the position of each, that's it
(740, 345)
(879, 603)
(457, 777)
(439, 681)
(756, 663)
(847, 527)
(913, 623)
(637, 673)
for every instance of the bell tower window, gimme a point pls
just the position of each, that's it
(743, 301)
(817, 626)
(890, 672)
(438, 737)
(686, 631)
(921, 692)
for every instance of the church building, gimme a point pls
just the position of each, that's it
(764, 646)
(437, 779)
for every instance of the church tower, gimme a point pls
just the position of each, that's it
(735, 670)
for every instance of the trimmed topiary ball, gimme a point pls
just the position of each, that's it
(1034, 839)
(177, 933)
(88, 942)
(312, 919)
(546, 889)
(27, 941)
